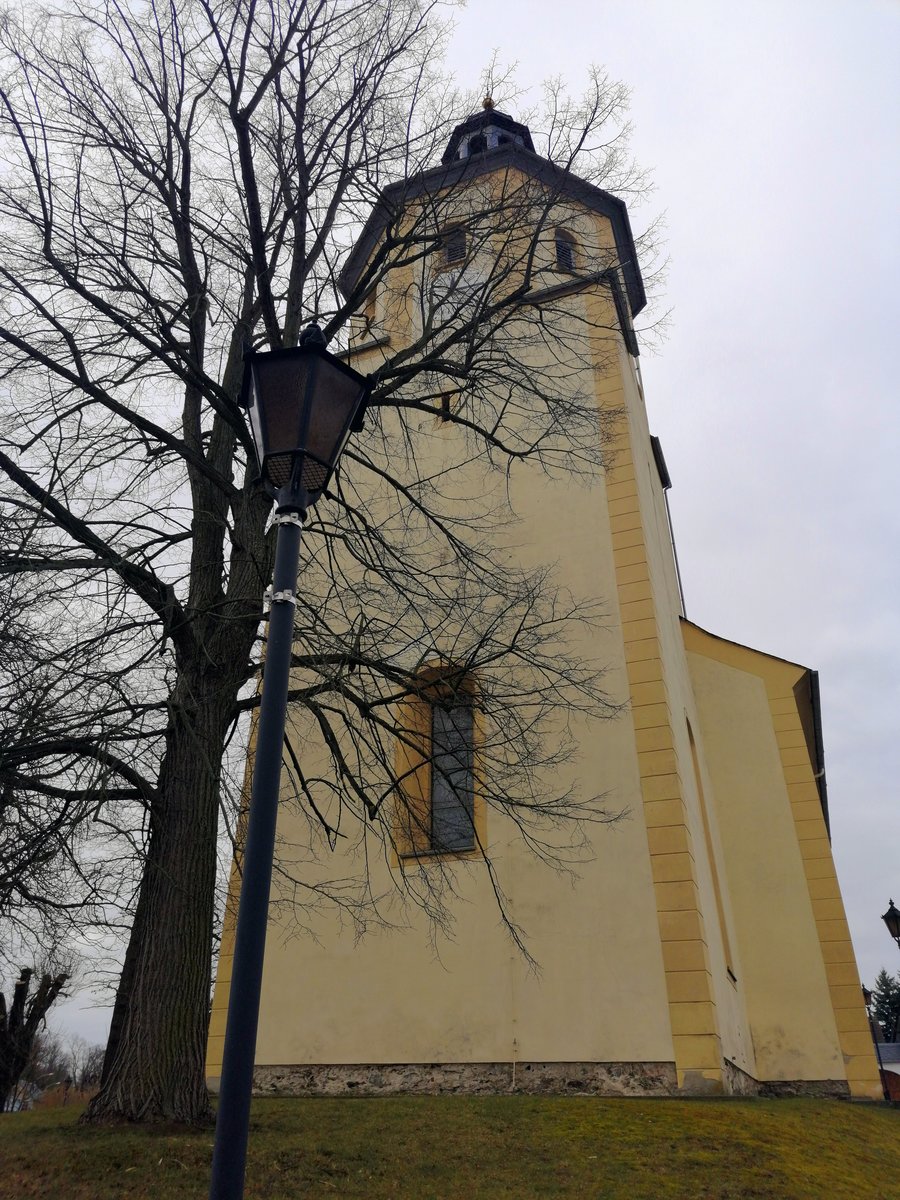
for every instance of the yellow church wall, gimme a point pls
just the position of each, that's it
(650, 951)
(793, 1027)
(502, 245)
(706, 1009)
(473, 997)
(223, 967)
(599, 992)
(803, 994)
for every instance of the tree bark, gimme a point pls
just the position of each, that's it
(155, 1064)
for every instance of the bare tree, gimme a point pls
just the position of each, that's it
(20, 1024)
(45, 1068)
(84, 1063)
(182, 181)
(57, 776)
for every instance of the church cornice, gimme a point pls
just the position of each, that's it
(556, 291)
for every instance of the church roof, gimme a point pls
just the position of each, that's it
(486, 142)
(494, 128)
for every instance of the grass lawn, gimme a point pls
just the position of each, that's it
(469, 1148)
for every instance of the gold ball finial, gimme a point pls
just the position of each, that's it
(488, 103)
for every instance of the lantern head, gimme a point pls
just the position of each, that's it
(302, 405)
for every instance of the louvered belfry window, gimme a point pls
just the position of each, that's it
(455, 245)
(565, 250)
(452, 785)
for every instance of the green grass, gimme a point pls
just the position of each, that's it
(474, 1148)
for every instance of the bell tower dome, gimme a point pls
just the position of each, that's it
(486, 130)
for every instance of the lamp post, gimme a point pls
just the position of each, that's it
(302, 406)
(867, 1001)
(892, 919)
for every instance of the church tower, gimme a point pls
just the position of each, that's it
(697, 943)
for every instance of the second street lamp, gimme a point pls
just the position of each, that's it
(302, 404)
(892, 919)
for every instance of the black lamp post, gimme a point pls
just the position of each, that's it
(867, 1001)
(892, 919)
(302, 405)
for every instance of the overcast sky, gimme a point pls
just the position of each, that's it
(772, 132)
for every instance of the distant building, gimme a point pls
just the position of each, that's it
(890, 1062)
(703, 948)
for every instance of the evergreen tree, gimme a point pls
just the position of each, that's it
(886, 1004)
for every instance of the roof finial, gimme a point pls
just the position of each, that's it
(488, 103)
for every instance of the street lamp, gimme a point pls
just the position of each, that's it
(302, 404)
(892, 919)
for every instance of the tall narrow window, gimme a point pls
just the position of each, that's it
(565, 250)
(437, 805)
(370, 308)
(452, 791)
(454, 245)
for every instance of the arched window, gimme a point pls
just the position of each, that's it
(436, 767)
(565, 250)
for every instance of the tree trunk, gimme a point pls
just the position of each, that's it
(155, 1063)
(126, 984)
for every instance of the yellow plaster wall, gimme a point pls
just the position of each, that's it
(223, 970)
(398, 994)
(706, 1011)
(803, 993)
(393, 996)
(632, 956)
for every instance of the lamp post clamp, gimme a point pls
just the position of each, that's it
(288, 517)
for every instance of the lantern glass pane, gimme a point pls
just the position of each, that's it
(334, 405)
(255, 417)
(282, 384)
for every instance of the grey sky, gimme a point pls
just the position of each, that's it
(772, 132)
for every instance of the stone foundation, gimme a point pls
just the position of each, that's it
(525, 1078)
(471, 1079)
(819, 1089)
(738, 1082)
